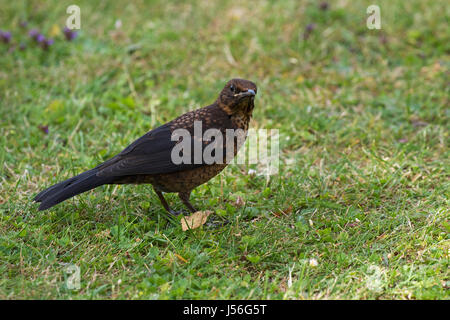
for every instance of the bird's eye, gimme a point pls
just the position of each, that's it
(232, 88)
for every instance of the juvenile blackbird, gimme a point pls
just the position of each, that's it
(149, 158)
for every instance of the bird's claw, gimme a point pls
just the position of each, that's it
(175, 213)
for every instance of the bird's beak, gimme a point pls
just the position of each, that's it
(248, 93)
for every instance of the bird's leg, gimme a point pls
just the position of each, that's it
(164, 203)
(184, 196)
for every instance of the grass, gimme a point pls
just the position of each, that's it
(359, 209)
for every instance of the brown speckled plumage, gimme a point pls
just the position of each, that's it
(148, 159)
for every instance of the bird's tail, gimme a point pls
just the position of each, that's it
(71, 187)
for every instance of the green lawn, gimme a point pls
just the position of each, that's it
(359, 209)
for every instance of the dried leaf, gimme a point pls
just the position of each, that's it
(195, 220)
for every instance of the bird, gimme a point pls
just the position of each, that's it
(152, 158)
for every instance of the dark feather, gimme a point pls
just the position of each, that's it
(83, 182)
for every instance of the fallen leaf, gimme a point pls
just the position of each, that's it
(197, 219)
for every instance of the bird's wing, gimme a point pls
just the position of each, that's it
(150, 154)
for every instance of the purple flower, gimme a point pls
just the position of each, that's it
(5, 36)
(310, 27)
(33, 34)
(40, 38)
(69, 34)
(23, 24)
(308, 30)
(44, 129)
(46, 43)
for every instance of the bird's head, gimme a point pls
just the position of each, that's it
(238, 97)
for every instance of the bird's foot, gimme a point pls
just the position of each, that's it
(175, 213)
